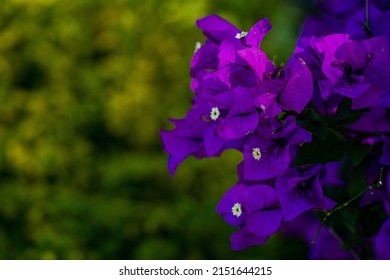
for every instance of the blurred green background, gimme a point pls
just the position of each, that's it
(85, 86)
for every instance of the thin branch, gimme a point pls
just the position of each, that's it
(345, 204)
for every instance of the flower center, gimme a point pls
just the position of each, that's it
(236, 210)
(214, 114)
(256, 153)
(241, 35)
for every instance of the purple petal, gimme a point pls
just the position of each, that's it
(238, 126)
(228, 53)
(377, 117)
(382, 242)
(299, 137)
(217, 28)
(256, 59)
(357, 21)
(327, 46)
(259, 197)
(178, 148)
(299, 88)
(212, 141)
(243, 239)
(257, 169)
(257, 33)
(204, 59)
(367, 98)
(264, 223)
(225, 205)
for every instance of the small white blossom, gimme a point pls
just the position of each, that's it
(241, 35)
(256, 153)
(198, 45)
(214, 114)
(236, 210)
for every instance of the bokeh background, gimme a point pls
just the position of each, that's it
(85, 87)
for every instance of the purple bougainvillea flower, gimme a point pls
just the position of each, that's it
(269, 153)
(325, 49)
(278, 90)
(243, 48)
(382, 242)
(254, 209)
(307, 51)
(216, 30)
(242, 118)
(267, 94)
(379, 24)
(300, 191)
(357, 70)
(186, 139)
(223, 42)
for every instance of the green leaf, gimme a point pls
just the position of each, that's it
(372, 217)
(357, 152)
(345, 115)
(322, 151)
(344, 223)
(357, 180)
(319, 129)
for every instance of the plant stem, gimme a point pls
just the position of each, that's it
(345, 204)
(366, 25)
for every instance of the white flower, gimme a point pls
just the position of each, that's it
(214, 114)
(256, 153)
(236, 210)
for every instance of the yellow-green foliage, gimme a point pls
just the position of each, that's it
(85, 86)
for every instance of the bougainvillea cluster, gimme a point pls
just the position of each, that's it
(314, 133)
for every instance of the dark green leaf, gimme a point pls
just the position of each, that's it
(372, 217)
(319, 129)
(345, 115)
(357, 180)
(321, 151)
(357, 152)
